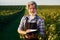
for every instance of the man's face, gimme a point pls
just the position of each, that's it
(32, 9)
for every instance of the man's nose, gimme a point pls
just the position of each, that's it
(32, 9)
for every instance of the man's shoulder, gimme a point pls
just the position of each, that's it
(39, 18)
(24, 17)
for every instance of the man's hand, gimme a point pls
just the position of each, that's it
(27, 30)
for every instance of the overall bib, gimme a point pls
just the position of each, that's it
(31, 35)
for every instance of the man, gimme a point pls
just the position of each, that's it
(31, 21)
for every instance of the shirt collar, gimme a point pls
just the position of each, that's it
(34, 15)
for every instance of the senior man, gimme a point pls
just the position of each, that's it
(30, 22)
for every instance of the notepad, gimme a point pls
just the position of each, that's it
(32, 30)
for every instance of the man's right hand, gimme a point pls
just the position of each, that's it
(27, 30)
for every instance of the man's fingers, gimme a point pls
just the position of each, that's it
(27, 31)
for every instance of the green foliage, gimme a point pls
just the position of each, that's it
(51, 15)
(9, 22)
(10, 17)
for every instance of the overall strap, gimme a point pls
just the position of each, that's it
(26, 23)
(27, 19)
(36, 18)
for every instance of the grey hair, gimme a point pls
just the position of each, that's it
(31, 3)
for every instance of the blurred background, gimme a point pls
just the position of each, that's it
(12, 11)
(10, 17)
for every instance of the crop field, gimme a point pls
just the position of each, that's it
(10, 17)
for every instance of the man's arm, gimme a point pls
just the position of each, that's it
(20, 28)
(41, 27)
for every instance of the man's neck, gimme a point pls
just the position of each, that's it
(32, 14)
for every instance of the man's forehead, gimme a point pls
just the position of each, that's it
(32, 6)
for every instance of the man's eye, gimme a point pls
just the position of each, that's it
(32, 8)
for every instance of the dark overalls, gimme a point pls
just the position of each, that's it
(32, 35)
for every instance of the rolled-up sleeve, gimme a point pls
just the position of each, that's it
(21, 25)
(41, 26)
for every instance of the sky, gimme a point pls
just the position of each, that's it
(24, 2)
